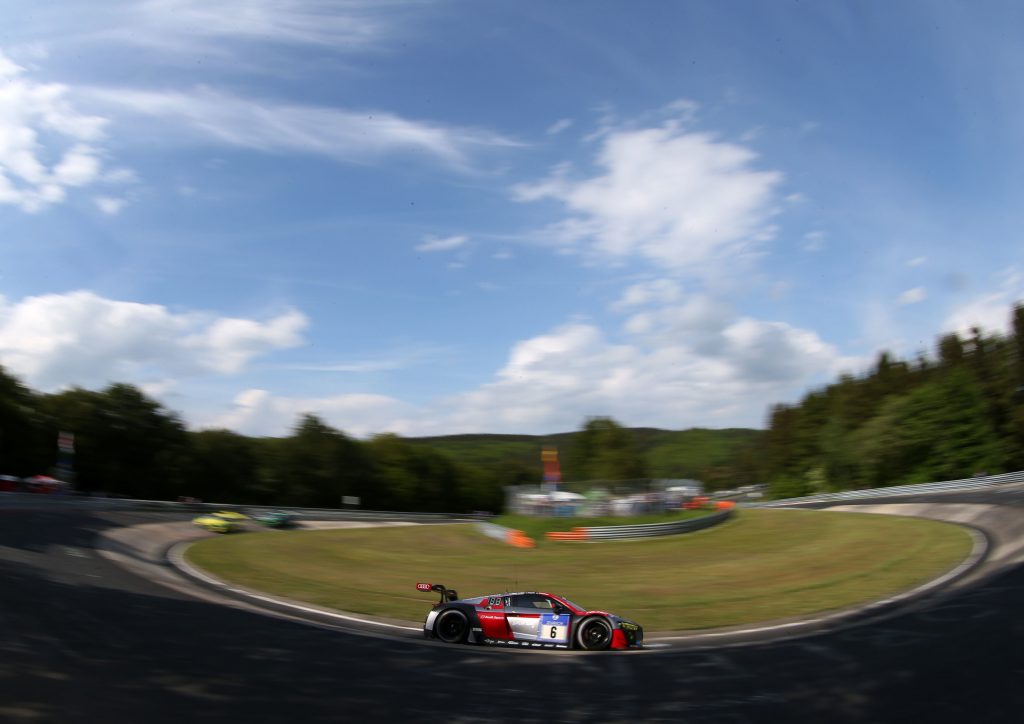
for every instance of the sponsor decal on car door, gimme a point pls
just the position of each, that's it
(492, 618)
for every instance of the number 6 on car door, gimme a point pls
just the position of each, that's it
(554, 628)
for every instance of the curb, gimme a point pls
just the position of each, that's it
(175, 557)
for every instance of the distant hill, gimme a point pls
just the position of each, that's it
(696, 453)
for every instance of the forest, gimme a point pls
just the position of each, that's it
(956, 413)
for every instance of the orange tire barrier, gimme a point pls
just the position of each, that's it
(725, 504)
(577, 534)
(519, 539)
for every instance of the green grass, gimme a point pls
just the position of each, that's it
(760, 565)
(537, 526)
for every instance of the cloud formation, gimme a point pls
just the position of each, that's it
(80, 338)
(675, 197)
(183, 24)
(912, 296)
(257, 412)
(725, 373)
(47, 146)
(681, 361)
(274, 127)
(447, 243)
(992, 311)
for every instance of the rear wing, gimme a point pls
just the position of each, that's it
(447, 594)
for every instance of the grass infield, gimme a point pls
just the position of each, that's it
(761, 565)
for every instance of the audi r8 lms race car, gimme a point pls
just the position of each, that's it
(530, 620)
(217, 523)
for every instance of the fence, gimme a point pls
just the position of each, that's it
(650, 530)
(166, 506)
(948, 486)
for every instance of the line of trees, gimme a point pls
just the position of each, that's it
(127, 444)
(954, 415)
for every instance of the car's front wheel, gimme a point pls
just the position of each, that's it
(452, 626)
(594, 634)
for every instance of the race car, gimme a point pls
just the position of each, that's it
(529, 619)
(232, 515)
(276, 519)
(216, 523)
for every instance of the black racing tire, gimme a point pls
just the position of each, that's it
(594, 634)
(452, 626)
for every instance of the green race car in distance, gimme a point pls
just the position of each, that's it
(276, 519)
(215, 523)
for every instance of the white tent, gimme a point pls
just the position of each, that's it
(564, 496)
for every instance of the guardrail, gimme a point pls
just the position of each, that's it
(650, 530)
(901, 490)
(167, 506)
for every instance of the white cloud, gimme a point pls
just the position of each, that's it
(354, 367)
(274, 127)
(447, 243)
(917, 261)
(912, 296)
(558, 126)
(46, 145)
(109, 205)
(990, 312)
(678, 198)
(56, 340)
(258, 412)
(693, 363)
(181, 25)
(554, 381)
(658, 290)
(227, 344)
(814, 241)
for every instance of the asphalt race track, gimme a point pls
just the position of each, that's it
(84, 640)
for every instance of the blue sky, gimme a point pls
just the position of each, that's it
(446, 217)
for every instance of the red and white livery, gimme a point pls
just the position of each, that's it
(530, 619)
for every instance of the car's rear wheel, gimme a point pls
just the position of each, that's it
(452, 626)
(594, 634)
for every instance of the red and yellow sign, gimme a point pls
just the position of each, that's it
(552, 470)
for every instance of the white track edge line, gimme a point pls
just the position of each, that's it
(179, 560)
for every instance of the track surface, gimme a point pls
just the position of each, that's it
(85, 641)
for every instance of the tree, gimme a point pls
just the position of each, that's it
(125, 442)
(604, 450)
(938, 431)
(317, 465)
(225, 467)
(26, 447)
